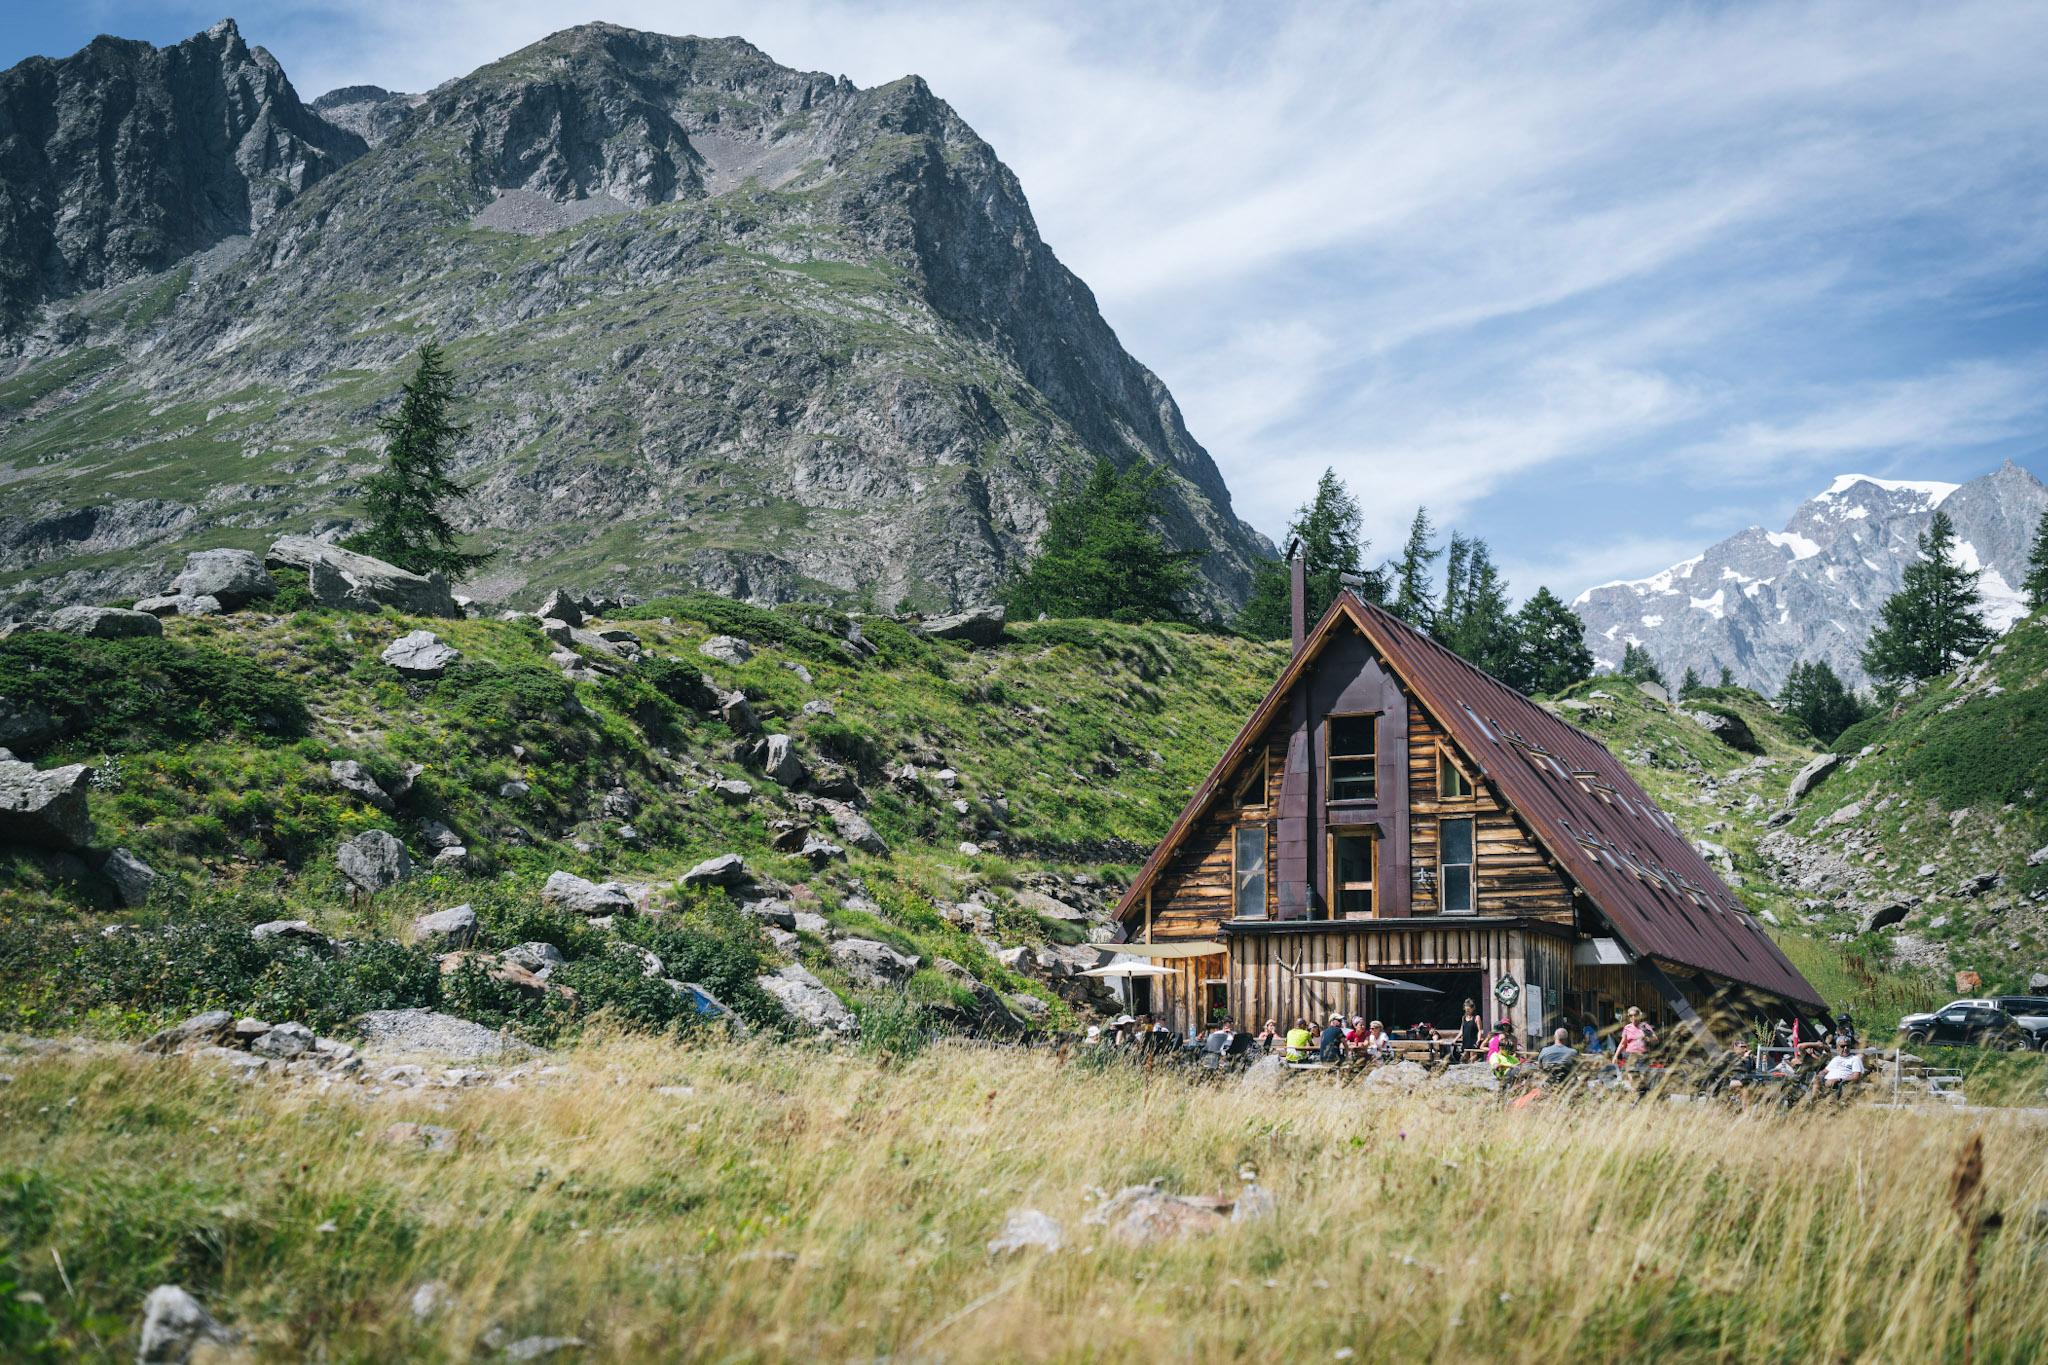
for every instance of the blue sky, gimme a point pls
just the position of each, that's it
(1599, 282)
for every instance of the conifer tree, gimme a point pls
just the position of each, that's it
(1328, 527)
(1411, 573)
(1485, 632)
(1814, 695)
(1690, 683)
(1638, 666)
(2036, 582)
(1727, 676)
(406, 499)
(1932, 623)
(1455, 558)
(1550, 646)
(1100, 556)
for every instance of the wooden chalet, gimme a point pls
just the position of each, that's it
(1391, 808)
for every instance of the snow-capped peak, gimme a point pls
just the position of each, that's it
(1931, 492)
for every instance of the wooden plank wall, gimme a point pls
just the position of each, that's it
(1514, 877)
(1191, 896)
(1264, 967)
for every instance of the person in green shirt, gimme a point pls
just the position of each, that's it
(1299, 1041)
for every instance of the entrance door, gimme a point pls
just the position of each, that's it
(1402, 1009)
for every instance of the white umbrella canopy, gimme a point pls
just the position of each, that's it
(1353, 976)
(1131, 969)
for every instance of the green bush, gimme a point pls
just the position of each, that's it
(200, 960)
(1860, 734)
(147, 693)
(294, 593)
(849, 743)
(324, 992)
(676, 681)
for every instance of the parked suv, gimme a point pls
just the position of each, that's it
(1979, 1023)
(2030, 1012)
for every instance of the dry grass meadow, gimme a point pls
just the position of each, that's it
(727, 1203)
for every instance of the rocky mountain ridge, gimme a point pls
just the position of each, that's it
(1761, 601)
(716, 322)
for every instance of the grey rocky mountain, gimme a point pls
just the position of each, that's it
(717, 322)
(1761, 601)
(371, 112)
(125, 159)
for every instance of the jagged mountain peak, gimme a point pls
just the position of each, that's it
(1760, 601)
(717, 321)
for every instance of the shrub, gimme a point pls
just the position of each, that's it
(849, 743)
(324, 992)
(148, 693)
(678, 682)
(294, 592)
(723, 616)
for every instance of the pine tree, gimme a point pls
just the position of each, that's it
(1932, 623)
(1411, 573)
(1453, 607)
(405, 499)
(1727, 676)
(1550, 653)
(1100, 556)
(1485, 632)
(1690, 683)
(1638, 666)
(1815, 696)
(1327, 526)
(2036, 581)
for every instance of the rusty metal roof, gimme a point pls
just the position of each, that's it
(1611, 839)
(1661, 896)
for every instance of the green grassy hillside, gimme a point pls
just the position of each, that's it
(1070, 746)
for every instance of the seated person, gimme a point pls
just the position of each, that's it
(1216, 1044)
(1843, 1070)
(1500, 1049)
(1331, 1046)
(1299, 1041)
(1269, 1036)
(1379, 1044)
(1559, 1053)
(1354, 1037)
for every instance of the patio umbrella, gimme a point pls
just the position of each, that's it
(1354, 977)
(1131, 969)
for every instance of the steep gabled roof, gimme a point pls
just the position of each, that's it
(1661, 896)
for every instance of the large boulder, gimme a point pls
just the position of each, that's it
(420, 654)
(133, 878)
(1731, 730)
(426, 1031)
(374, 860)
(564, 606)
(105, 623)
(234, 578)
(871, 962)
(781, 765)
(854, 828)
(454, 927)
(726, 649)
(727, 869)
(24, 725)
(575, 894)
(44, 807)
(174, 1325)
(808, 1000)
(975, 626)
(1811, 776)
(210, 1027)
(353, 582)
(353, 778)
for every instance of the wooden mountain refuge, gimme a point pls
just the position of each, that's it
(1391, 808)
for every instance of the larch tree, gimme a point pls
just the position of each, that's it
(1412, 573)
(407, 499)
(1815, 696)
(1328, 527)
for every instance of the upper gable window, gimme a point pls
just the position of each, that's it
(1352, 746)
(1251, 784)
(1451, 782)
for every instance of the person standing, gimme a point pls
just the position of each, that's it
(1468, 1033)
(1633, 1053)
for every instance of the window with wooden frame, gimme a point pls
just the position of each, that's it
(1451, 782)
(1251, 784)
(1455, 895)
(1354, 857)
(1351, 749)
(1248, 872)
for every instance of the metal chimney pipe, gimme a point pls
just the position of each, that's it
(1297, 588)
